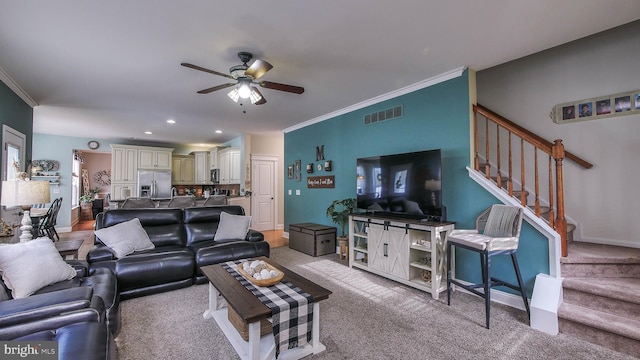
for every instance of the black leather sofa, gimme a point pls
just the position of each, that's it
(82, 314)
(183, 240)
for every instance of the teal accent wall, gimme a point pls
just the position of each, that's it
(14, 112)
(436, 117)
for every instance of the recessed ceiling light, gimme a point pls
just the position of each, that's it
(148, 132)
(171, 121)
(218, 131)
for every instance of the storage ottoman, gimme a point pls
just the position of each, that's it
(312, 239)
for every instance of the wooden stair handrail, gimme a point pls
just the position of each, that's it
(534, 139)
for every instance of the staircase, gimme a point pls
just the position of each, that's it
(602, 296)
(601, 286)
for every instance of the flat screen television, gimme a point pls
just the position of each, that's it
(406, 185)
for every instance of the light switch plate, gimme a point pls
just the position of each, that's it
(297, 191)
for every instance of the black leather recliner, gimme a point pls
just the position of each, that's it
(201, 224)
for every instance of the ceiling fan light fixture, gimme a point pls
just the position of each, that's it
(244, 91)
(255, 95)
(234, 95)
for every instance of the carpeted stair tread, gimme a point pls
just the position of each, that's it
(588, 253)
(600, 320)
(624, 289)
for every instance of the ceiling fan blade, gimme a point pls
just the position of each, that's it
(282, 87)
(258, 68)
(196, 67)
(215, 88)
(262, 99)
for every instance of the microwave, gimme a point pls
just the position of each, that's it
(215, 176)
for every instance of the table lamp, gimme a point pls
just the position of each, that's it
(24, 193)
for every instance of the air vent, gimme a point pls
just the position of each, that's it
(383, 115)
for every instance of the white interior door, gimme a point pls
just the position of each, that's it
(263, 198)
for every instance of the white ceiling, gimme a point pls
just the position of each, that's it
(111, 69)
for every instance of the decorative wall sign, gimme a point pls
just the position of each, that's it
(47, 165)
(321, 182)
(319, 152)
(102, 178)
(310, 168)
(620, 104)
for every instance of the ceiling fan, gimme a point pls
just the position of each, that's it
(246, 77)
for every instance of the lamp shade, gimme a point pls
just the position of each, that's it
(25, 192)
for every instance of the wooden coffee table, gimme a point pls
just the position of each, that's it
(252, 311)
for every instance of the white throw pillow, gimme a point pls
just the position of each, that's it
(29, 266)
(125, 238)
(232, 227)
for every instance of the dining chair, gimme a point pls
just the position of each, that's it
(138, 203)
(216, 200)
(47, 224)
(497, 232)
(182, 201)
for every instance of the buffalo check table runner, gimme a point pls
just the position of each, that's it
(291, 308)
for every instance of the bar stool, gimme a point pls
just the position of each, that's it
(497, 233)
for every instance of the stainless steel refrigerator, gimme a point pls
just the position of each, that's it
(154, 184)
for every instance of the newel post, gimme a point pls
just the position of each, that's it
(560, 223)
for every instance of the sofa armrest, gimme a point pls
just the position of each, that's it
(254, 236)
(100, 253)
(42, 306)
(88, 314)
(81, 267)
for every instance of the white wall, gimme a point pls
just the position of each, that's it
(272, 144)
(602, 200)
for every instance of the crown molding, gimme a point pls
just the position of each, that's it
(390, 95)
(5, 78)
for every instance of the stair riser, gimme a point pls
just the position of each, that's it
(612, 306)
(600, 270)
(603, 338)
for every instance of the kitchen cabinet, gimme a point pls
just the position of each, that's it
(229, 163)
(126, 160)
(213, 158)
(154, 159)
(124, 164)
(183, 170)
(203, 171)
(124, 171)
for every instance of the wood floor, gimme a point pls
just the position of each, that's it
(83, 230)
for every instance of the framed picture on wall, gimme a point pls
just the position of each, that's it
(290, 172)
(620, 104)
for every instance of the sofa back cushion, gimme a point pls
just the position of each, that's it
(201, 223)
(164, 226)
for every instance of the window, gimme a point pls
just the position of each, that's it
(75, 180)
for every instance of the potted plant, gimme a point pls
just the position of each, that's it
(339, 211)
(89, 195)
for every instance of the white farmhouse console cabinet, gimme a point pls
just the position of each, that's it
(411, 252)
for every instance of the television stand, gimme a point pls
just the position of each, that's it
(409, 251)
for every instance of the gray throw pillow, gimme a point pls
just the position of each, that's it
(29, 266)
(232, 227)
(125, 238)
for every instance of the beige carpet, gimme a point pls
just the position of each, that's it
(367, 317)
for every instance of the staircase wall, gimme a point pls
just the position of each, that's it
(525, 91)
